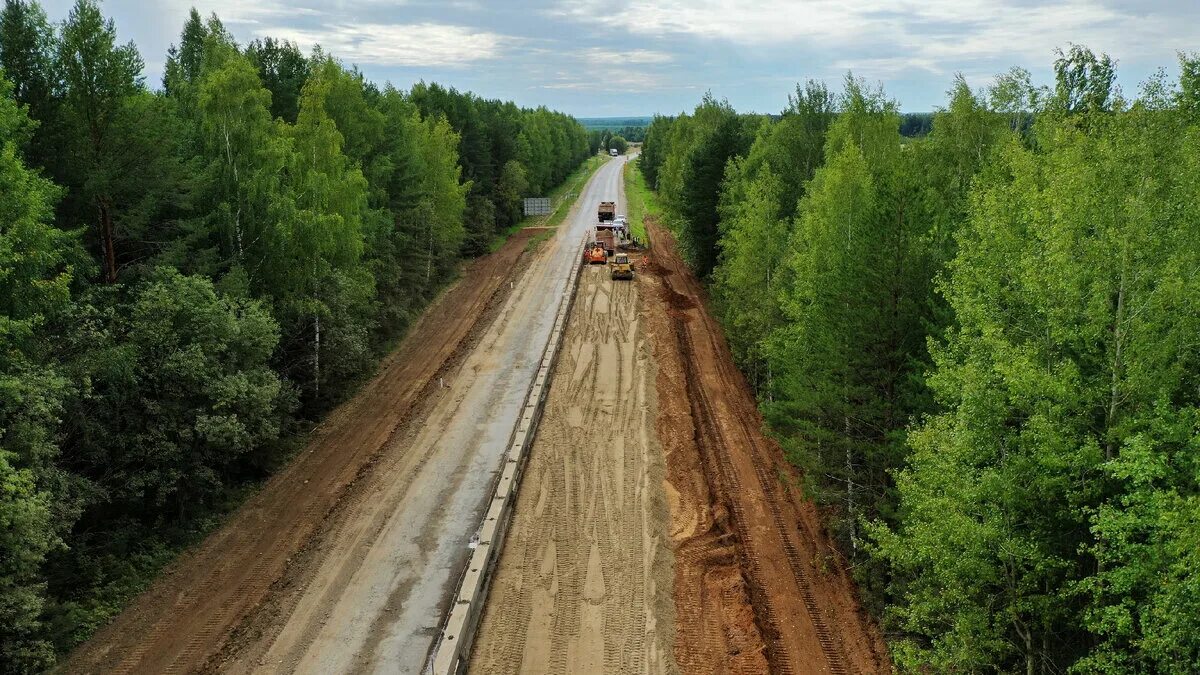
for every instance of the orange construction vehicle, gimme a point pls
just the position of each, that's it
(594, 254)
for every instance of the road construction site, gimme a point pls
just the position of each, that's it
(584, 582)
(654, 528)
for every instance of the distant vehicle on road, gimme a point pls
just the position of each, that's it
(620, 268)
(613, 152)
(607, 211)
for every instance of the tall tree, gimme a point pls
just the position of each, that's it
(100, 79)
(759, 196)
(715, 135)
(283, 70)
(37, 266)
(27, 47)
(315, 272)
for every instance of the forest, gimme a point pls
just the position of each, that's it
(979, 346)
(193, 272)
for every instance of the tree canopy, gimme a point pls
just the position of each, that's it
(979, 344)
(192, 276)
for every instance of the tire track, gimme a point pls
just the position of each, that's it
(591, 502)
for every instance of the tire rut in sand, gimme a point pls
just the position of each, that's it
(583, 583)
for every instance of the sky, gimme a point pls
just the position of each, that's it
(599, 58)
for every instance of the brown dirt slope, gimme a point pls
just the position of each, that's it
(185, 618)
(584, 582)
(758, 585)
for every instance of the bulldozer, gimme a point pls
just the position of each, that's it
(620, 268)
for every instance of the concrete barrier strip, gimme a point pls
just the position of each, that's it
(458, 631)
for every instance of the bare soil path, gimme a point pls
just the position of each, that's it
(758, 585)
(185, 618)
(371, 594)
(584, 581)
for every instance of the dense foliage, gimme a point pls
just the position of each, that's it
(191, 276)
(980, 346)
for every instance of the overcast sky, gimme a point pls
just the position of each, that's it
(596, 58)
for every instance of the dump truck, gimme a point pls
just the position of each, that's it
(607, 211)
(620, 268)
(605, 238)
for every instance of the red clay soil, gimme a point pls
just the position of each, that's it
(758, 584)
(185, 618)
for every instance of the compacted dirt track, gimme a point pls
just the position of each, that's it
(372, 591)
(584, 581)
(758, 585)
(186, 616)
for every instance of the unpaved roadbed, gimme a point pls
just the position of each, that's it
(758, 586)
(187, 615)
(374, 594)
(584, 581)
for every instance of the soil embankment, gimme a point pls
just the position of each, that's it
(758, 585)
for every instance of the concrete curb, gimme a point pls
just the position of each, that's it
(453, 648)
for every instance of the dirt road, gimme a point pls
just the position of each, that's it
(758, 586)
(373, 595)
(186, 616)
(345, 561)
(584, 580)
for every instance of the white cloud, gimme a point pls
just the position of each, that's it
(623, 81)
(422, 44)
(929, 35)
(602, 56)
(242, 12)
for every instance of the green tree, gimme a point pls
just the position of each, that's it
(283, 70)
(758, 202)
(185, 62)
(655, 148)
(747, 283)
(37, 266)
(1054, 494)
(1084, 82)
(100, 78)
(690, 176)
(513, 187)
(26, 535)
(245, 156)
(27, 47)
(182, 375)
(314, 271)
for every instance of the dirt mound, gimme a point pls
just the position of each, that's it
(758, 585)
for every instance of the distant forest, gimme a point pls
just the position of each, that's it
(633, 129)
(980, 345)
(191, 275)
